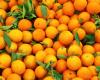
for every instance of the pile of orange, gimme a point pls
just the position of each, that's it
(56, 40)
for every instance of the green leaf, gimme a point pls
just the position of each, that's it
(60, 7)
(98, 68)
(77, 12)
(1, 19)
(24, 11)
(56, 1)
(99, 75)
(7, 39)
(33, 42)
(77, 38)
(44, 10)
(5, 27)
(61, 56)
(2, 51)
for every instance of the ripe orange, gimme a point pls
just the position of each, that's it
(80, 4)
(62, 27)
(48, 78)
(62, 1)
(18, 67)
(2, 43)
(51, 32)
(2, 78)
(54, 22)
(97, 47)
(94, 78)
(68, 8)
(24, 24)
(20, 2)
(56, 6)
(1, 33)
(14, 8)
(96, 61)
(4, 5)
(3, 13)
(38, 35)
(97, 37)
(74, 63)
(66, 37)
(59, 13)
(77, 78)
(12, 3)
(29, 74)
(30, 61)
(51, 14)
(84, 73)
(93, 70)
(40, 23)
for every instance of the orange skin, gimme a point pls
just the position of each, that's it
(68, 8)
(74, 63)
(1, 33)
(20, 2)
(93, 7)
(88, 49)
(84, 73)
(97, 47)
(80, 4)
(59, 13)
(93, 70)
(40, 23)
(62, 1)
(96, 61)
(55, 6)
(77, 78)
(24, 24)
(3, 13)
(38, 35)
(36, 48)
(64, 19)
(87, 59)
(68, 74)
(62, 27)
(61, 66)
(2, 43)
(54, 22)
(4, 5)
(86, 26)
(97, 37)
(12, 3)
(94, 78)
(51, 14)
(48, 78)
(66, 37)
(74, 16)
(6, 72)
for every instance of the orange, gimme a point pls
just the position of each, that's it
(93, 70)
(61, 66)
(40, 56)
(2, 43)
(94, 78)
(68, 8)
(40, 72)
(74, 16)
(10, 20)
(3, 13)
(14, 76)
(57, 45)
(87, 59)
(6, 72)
(64, 19)
(25, 49)
(51, 32)
(74, 63)
(81, 33)
(18, 67)
(3, 5)
(80, 4)
(56, 6)
(38, 35)
(29, 74)
(24, 24)
(77, 78)
(40, 23)
(89, 27)
(73, 23)
(68, 74)
(84, 73)
(59, 13)
(97, 47)
(20, 2)
(5, 60)
(12, 48)
(50, 51)
(97, 37)
(12, 3)
(98, 1)
(96, 61)
(37, 47)
(15, 35)
(93, 8)
(27, 37)
(48, 78)
(88, 49)
(62, 1)
(66, 37)
(74, 50)
(54, 22)
(47, 42)
(30, 61)
(14, 8)
(2, 78)
(51, 14)
(85, 16)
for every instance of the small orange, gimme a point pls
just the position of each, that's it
(3, 13)
(5, 60)
(57, 45)
(40, 72)
(88, 49)
(48, 78)
(2, 43)
(84, 73)
(54, 22)
(59, 13)
(98, 1)
(87, 59)
(97, 47)
(89, 27)
(51, 14)
(93, 70)
(24, 24)
(6, 72)
(64, 19)
(37, 47)
(74, 63)
(14, 76)
(97, 37)
(20, 2)
(12, 3)
(96, 60)
(73, 23)
(74, 16)
(29, 74)
(94, 78)
(62, 1)
(66, 37)
(14, 8)
(61, 66)
(56, 6)
(18, 67)
(51, 32)
(68, 8)
(40, 23)
(4, 5)
(77, 78)
(80, 4)
(2, 78)
(68, 74)
(38, 35)
(30, 61)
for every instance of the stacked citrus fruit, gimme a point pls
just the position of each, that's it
(49, 40)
